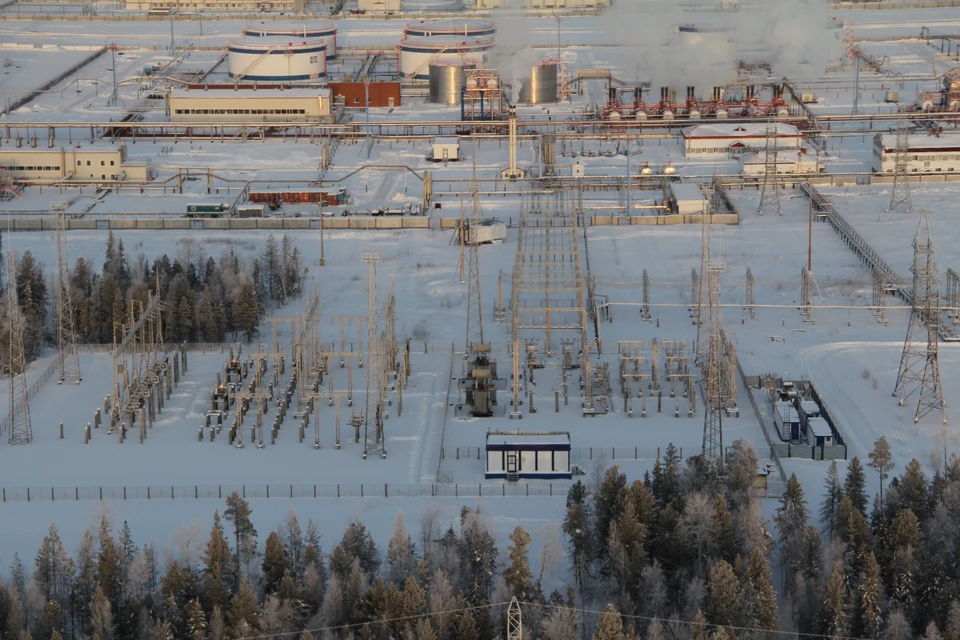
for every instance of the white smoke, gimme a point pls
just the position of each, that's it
(793, 35)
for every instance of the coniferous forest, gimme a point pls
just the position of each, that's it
(686, 553)
(205, 299)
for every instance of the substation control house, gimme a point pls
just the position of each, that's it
(732, 140)
(533, 455)
(250, 107)
(925, 153)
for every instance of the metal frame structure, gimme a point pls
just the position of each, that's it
(21, 430)
(67, 357)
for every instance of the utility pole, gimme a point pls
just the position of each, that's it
(113, 53)
(173, 44)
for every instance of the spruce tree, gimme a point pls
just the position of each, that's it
(723, 595)
(196, 620)
(238, 512)
(466, 627)
(791, 520)
(832, 493)
(609, 503)
(577, 527)
(217, 560)
(401, 561)
(763, 608)
(244, 613)
(870, 602)
(517, 574)
(913, 490)
(834, 621)
(609, 625)
(275, 562)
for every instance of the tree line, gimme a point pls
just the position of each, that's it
(203, 299)
(682, 554)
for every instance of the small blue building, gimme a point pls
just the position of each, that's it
(538, 454)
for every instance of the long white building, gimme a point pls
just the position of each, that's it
(925, 153)
(735, 139)
(84, 163)
(543, 4)
(250, 106)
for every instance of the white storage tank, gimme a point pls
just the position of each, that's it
(415, 54)
(269, 60)
(449, 27)
(323, 31)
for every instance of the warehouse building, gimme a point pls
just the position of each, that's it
(925, 153)
(381, 94)
(264, 105)
(380, 6)
(736, 139)
(78, 163)
(543, 4)
(251, 6)
(786, 162)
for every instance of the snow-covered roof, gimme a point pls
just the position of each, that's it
(446, 140)
(533, 439)
(921, 142)
(686, 191)
(225, 94)
(782, 156)
(819, 428)
(739, 130)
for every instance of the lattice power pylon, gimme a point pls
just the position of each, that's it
(514, 621)
(770, 191)
(712, 366)
(21, 431)
(900, 189)
(919, 364)
(373, 413)
(474, 306)
(67, 356)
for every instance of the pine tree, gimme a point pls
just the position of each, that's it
(881, 460)
(275, 562)
(871, 600)
(721, 526)
(246, 317)
(913, 490)
(832, 494)
(244, 613)
(609, 503)
(723, 595)
(358, 544)
(610, 625)
(834, 617)
(217, 560)
(517, 573)
(238, 512)
(763, 607)
(101, 615)
(698, 628)
(196, 620)
(576, 525)
(466, 628)
(293, 540)
(401, 559)
(791, 520)
(478, 557)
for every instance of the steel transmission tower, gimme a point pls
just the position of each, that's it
(919, 364)
(711, 361)
(21, 431)
(67, 356)
(900, 190)
(514, 621)
(770, 191)
(474, 306)
(373, 413)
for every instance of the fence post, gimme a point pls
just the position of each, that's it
(456, 491)
(314, 491)
(504, 492)
(51, 494)
(635, 454)
(148, 493)
(243, 489)
(291, 491)
(528, 489)
(76, 494)
(171, 492)
(361, 489)
(28, 494)
(268, 491)
(338, 491)
(220, 491)
(101, 494)
(196, 492)
(124, 492)
(385, 490)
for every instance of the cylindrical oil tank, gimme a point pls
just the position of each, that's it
(447, 80)
(449, 27)
(323, 31)
(268, 60)
(417, 53)
(541, 86)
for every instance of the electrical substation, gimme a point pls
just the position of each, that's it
(530, 247)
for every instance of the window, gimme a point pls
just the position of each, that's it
(88, 163)
(112, 163)
(102, 163)
(79, 163)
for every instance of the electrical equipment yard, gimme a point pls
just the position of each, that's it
(678, 237)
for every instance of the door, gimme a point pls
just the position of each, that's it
(511, 461)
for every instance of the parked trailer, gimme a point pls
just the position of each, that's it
(250, 211)
(207, 209)
(302, 196)
(787, 421)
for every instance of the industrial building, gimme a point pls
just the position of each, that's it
(787, 162)
(324, 32)
(380, 94)
(925, 153)
(735, 139)
(264, 105)
(449, 27)
(277, 60)
(76, 163)
(544, 4)
(252, 6)
(446, 149)
(519, 455)
(380, 6)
